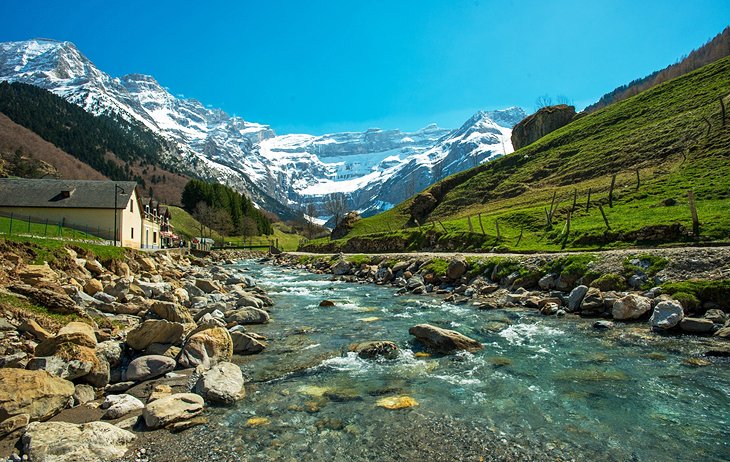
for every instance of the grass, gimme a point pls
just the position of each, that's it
(25, 228)
(660, 132)
(14, 303)
(51, 250)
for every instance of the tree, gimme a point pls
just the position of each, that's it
(336, 205)
(221, 222)
(543, 101)
(248, 228)
(204, 214)
(311, 212)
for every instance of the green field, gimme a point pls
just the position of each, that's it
(674, 135)
(19, 227)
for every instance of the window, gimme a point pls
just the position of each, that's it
(154, 237)
(131, 206)
(132, 233)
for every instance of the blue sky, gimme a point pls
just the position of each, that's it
(321, 66)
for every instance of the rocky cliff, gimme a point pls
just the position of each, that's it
(539, 124)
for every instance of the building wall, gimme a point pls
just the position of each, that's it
(131, 229)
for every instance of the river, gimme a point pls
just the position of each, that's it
(543, 388)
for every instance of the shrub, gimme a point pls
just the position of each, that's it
(609, 281)
(689, 302)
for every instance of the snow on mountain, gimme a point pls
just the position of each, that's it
(375, 169)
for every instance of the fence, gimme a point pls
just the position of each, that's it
(28, 225)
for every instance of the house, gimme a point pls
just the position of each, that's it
(157, 213)
(108, 209)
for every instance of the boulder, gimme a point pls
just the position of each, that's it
(576, 298)
(207, 285)
(58, 366)
(539, 124)
(83, 394)
(147, 264)
(36, 393)
(246, 300)
(93, 286)
(222, 383)
(207, 348)
(375, 349)
(456, 269)
(630, 307)
(326, 303)
(171, 409)
(94, 267)
(715, 315)
(67, 442)
(666, 315)
(247, 315)
(443, 340)
(55, 301)
(77, 333)
(341, 268)
(111, 351)
(120, 405)
(548, 282)
(592, 302)
(34, 329)
(697, 325)
(99, 375)
(603, 325)
(171, 312)
(154, 331)
(148, 367)
(36, 274)
(13, 423)
(246, 344)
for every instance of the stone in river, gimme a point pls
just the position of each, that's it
(396, 402)
(443, 340)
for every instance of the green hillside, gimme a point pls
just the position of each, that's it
(673, 134)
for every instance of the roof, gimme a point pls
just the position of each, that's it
(18, 192)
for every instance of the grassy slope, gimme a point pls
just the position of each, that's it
(651, 131)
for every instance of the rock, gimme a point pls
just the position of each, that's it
(154, 331)
(249, 300)
(149, 367)
(94, 267)
(111, 351)
(207, 285)
(222, 384)
(247, 315)
(36, 393)
(158, 392)
(171, 312)
(456, 269)
(105, 297)
(630, 307)
(147, 264)
(162, 349)
(171, 409)
(55, 301)
(58, 366)
(666, 315)
(93, 286)
(36, 274)
(547, 119)
(67, 442)
(603, 325)
(77, 333)
(443, 340)
(83, 394)
(207, 348)
(383, 274)
(548, 282)
(715, 315)
(119, 387)
(13, 423)
(697, 325)
(326, 303)
(576, 298)
(723, 332)
(34, 329)
(18, 360)
(120, 405)
(245, 344)
(373, 350)
(341, 268)
(592, 302)
(396, 402)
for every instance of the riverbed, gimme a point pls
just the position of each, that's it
(543, 388)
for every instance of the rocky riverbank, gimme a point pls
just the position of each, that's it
(93, 352)
(672, 291)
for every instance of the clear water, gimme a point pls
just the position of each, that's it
(543, 388)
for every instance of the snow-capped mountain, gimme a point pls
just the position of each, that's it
(374, 169)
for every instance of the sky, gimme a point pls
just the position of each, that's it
(325, 66)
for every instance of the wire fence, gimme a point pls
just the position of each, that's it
(15, 224)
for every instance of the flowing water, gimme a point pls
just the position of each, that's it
(543, 388)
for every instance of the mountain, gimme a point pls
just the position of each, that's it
(373, 169)
(624, 175)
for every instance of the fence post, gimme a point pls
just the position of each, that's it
(10, 232)
(693, 210)
(481, 225)
(588, 203)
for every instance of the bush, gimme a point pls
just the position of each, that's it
(610, 281)
(689, 302)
